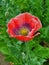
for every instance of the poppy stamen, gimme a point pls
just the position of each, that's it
(24, 31)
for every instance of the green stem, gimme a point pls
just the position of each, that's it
(25, 50)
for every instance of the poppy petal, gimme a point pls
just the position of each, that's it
(12, 25)
(24, 38)
(37, 25)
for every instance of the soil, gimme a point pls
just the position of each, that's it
(2, 60)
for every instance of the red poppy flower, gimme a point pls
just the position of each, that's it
(24, 26)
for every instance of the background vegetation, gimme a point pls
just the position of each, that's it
(36, 51)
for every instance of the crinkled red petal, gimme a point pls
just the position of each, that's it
(12, 25)
(37, 25)
(24, 38)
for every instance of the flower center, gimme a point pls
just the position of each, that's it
(24, 31)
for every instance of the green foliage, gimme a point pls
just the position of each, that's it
(32, 52)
